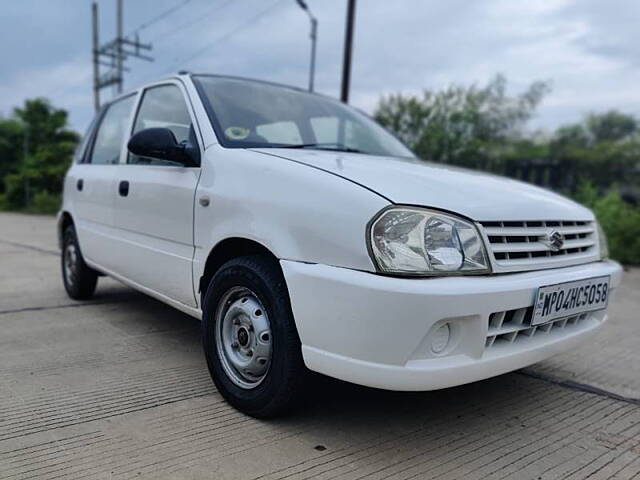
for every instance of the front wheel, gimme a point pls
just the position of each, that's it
(250, 340)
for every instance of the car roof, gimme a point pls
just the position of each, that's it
(253, 80)
(186, 74)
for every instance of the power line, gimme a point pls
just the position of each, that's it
(113, 50)
(203, 16)
(227, 35)
(159, 17)
(113, 54)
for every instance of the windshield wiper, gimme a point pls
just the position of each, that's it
(322, 146)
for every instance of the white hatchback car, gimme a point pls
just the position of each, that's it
(305, 236)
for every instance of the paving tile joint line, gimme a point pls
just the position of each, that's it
(583, 387)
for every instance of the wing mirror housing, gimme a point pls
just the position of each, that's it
(161, 143)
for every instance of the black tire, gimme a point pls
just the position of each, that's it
(280, 387)
(79, 279)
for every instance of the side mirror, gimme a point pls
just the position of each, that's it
(161, 143)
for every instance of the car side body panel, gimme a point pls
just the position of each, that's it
(298, 213)
(89, 196)
(154, 220)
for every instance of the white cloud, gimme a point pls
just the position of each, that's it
(66, 84)
(589, 49)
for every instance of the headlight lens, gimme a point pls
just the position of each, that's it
(604, 245)
(419, 241)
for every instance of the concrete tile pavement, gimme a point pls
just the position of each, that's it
(118, 388)
(612, 361)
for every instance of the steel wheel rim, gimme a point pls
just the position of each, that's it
(243, 337)
(70, 262)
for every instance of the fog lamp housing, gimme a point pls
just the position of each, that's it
(440, 338)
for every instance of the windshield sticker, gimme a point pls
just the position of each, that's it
(237, 133)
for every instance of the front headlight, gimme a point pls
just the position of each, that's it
(418, 241)
(604, 245)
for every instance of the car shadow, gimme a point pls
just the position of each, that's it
(335, 403)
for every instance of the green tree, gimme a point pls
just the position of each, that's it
(610, 126)
(49, 146)
(11, 137)
(604, 149)
(469, 126)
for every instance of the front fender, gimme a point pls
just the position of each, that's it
(298, 212)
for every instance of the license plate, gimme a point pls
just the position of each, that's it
(570, 298)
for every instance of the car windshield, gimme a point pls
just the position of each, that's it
(248, 113)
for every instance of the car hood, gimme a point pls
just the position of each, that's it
(479, 196)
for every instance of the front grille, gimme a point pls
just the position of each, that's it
(514, 326)
(525, 246)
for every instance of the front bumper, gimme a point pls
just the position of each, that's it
(375, 330)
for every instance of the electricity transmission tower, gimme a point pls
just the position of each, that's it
(113, 54)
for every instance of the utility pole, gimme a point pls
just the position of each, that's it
(119, 43)
(348, 47)
(113, 54)
(25, 157)
(314, 38)
(314, 41)
(96, 66)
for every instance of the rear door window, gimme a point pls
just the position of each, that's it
(111, 133)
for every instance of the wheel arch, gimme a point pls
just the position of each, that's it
(228, 249)
(64, 220)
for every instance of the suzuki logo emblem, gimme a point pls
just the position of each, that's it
(555, 240)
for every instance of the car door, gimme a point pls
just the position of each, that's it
(155, 202)
(92, 181)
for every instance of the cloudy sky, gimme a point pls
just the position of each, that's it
(588, 49)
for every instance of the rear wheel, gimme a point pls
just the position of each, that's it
(251, 344)
(79, 279)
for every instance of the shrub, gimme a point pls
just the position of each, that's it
(44, 202)
(621, 223)
(43, 190)
(619, 220)
(14, 191)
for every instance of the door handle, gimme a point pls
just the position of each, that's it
(123, 188)
(80, 184)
